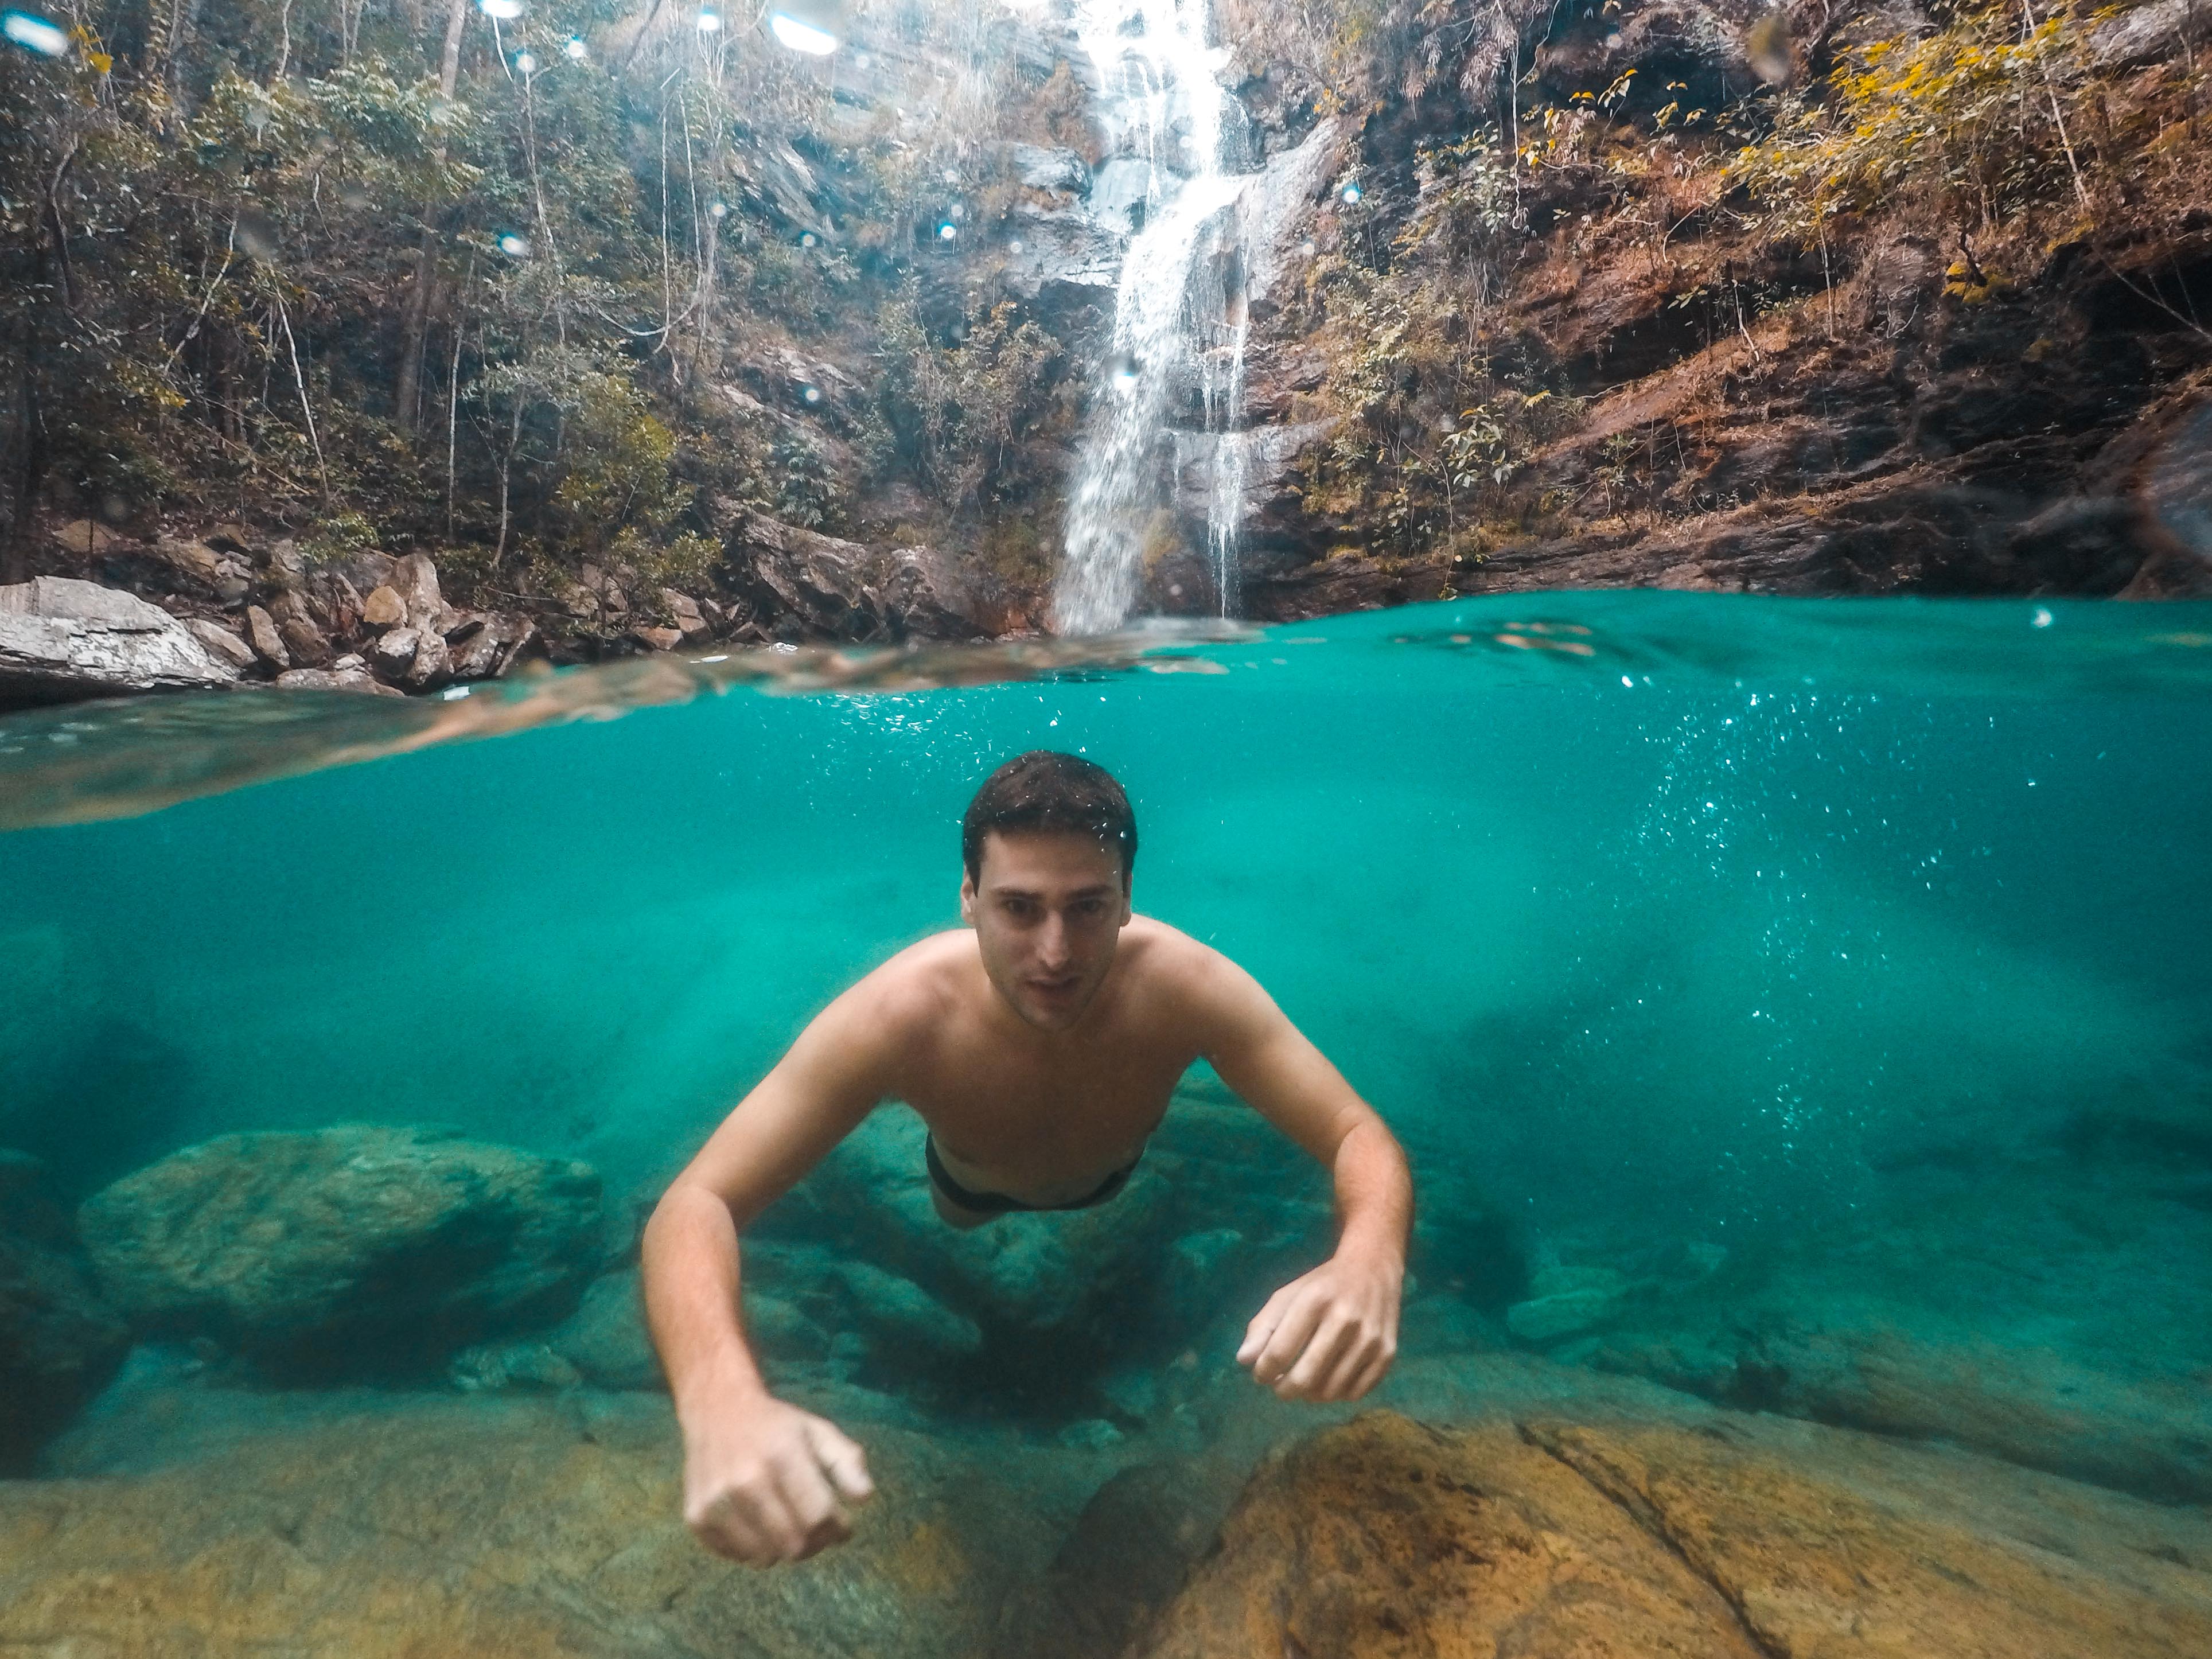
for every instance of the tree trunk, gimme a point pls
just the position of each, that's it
(406, 380)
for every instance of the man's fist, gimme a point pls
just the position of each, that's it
(768, 1482)
(1328, 1336)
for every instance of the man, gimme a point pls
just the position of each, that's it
(1040, 1044)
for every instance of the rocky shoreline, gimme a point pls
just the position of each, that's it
(228, 608)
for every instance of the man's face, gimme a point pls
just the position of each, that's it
(1048, 910)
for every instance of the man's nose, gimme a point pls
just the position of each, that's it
(1052, 940)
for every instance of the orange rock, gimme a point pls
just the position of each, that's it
(1387, 1540)
(384, 608)
(1740, 1537)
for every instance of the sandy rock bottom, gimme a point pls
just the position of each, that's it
(1520, 1514)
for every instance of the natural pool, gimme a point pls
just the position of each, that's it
(1806, 1008)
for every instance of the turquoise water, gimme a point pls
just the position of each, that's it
(1797, 931)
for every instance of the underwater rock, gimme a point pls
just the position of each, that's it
(605, 1338)
(2038, 1410)
(1125, 1557)
(61, 640)
(358, 1249)
(1746, 1537)
(1567, 1300)
(1070, 1272)
(899, 1312)
(503, 1526)
(510, 1366)
(59, 1343)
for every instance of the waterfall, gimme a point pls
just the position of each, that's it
(1179, 322)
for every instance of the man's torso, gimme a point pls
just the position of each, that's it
(1045, 1117)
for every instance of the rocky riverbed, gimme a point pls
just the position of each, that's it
(383, 1389)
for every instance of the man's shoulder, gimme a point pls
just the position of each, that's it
(915, 988)
(1169, 955)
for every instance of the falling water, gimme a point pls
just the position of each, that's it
(1178, 316)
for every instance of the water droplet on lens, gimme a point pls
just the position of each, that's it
(34, 33)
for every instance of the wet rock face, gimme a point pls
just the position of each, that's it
(58, 1342)
(61, 639)
(391, 1527)
(807, 585)
(358, 1249)
(1742, 1537)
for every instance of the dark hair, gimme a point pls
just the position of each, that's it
(1045, 790)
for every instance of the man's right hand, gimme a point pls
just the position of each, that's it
(766, 1482)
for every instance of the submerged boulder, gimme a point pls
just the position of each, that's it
(1565, 1301)
(1731, 1540)
(61, 640)
(605, 1338)
(1022, 1274)
(506, 1525)
(58, 1342)
(360, 1248)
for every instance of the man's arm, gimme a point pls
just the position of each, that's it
(1332, 1334)
(761, 1479)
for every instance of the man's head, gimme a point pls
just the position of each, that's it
(1049, 844)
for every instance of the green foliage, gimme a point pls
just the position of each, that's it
(337, 537)
(1434, 434)
(259, 260)
(956, 413)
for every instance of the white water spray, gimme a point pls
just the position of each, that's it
(1178, 321)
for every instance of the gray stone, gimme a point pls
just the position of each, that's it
(1275, 208)
(605, 1338)
(478, 657)
(1568, 1300)
(61, 639)
(898, 1312)
(510, 1366)
(433, 665)
(196, 560)
(1022, 1276)
(221, 642)
(842, 590)
(333, 679)
(393, 654)
(414, 579)
(1040, 169)
(267, 644)
(355, 1249)
(59, 1343)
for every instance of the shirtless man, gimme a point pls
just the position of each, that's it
(1041, 1048)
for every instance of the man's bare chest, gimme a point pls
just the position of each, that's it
(1012, 1115)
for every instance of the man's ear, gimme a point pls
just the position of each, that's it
(967, 901)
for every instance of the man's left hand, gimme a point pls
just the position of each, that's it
(1330, 1335)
